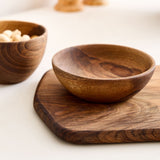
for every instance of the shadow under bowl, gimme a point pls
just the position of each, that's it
(103, 73)
(18, 60)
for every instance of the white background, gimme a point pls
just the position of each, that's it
(23, 136)
(13, 6)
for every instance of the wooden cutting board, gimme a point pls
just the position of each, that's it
(81, 122)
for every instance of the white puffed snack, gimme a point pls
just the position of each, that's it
(4, 38)
(16, 38)
(25, 37)
(16, 32)
(34, 36)
(16, 35)
(8, 33)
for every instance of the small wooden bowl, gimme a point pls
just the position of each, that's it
(103, 73)
(18, 60)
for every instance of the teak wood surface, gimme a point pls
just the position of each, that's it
(90, 71)
(81, 122)
(18, 60)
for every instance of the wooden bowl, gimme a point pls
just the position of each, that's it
(18, 60)
(103, 73)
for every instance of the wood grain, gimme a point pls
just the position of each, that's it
(103, 73)
(81, 122)
(18, 60)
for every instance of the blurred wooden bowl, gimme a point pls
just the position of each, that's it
(95, 2)
(103, 73)
(18, 60)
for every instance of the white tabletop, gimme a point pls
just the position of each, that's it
(23, 135)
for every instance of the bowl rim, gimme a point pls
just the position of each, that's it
(149, 70)
(19, 21)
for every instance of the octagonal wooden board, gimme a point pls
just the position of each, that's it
(81, 122)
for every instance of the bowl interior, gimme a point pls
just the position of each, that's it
(103, 61)
(24, 27)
